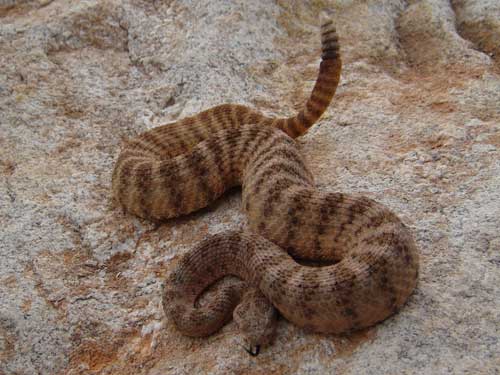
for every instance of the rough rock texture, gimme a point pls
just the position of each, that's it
(415, 125)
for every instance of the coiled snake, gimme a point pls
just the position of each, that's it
(178, 168)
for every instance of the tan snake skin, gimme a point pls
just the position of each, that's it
(368, 256)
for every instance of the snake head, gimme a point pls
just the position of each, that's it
(256, 320)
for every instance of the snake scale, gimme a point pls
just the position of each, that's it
(366, 259)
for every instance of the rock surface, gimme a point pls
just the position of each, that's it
(415, 124)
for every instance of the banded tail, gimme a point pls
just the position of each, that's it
(324, 89)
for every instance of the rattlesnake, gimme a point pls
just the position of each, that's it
(368, 256)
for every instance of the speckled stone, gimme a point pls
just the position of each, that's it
(414, 124)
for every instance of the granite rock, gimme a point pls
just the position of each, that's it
(414, 124)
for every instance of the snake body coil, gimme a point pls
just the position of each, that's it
(178, 168)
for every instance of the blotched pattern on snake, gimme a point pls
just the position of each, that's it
(175, 169)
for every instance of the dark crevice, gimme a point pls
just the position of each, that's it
(479, 34)
(400, 43)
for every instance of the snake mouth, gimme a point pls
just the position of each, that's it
(252, 352)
